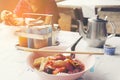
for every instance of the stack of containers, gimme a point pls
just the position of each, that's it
(39, 31)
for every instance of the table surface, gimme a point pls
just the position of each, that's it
(88, 6)
(13, 62)
(79, 3)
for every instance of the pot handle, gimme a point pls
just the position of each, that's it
(113, 26)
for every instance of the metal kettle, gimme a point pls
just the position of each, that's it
(96, 32)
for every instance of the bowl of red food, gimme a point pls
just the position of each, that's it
(60, 66)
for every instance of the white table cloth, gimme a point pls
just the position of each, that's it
(13, 64)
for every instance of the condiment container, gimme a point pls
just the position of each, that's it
(23, 41)
(109, 49)
(45, 32)
(30, 40)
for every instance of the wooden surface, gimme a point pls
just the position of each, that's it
(65, 22)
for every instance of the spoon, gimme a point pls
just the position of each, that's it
(73, 47)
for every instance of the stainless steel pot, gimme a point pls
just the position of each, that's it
(96, 32)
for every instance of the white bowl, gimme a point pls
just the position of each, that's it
(86, 59)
